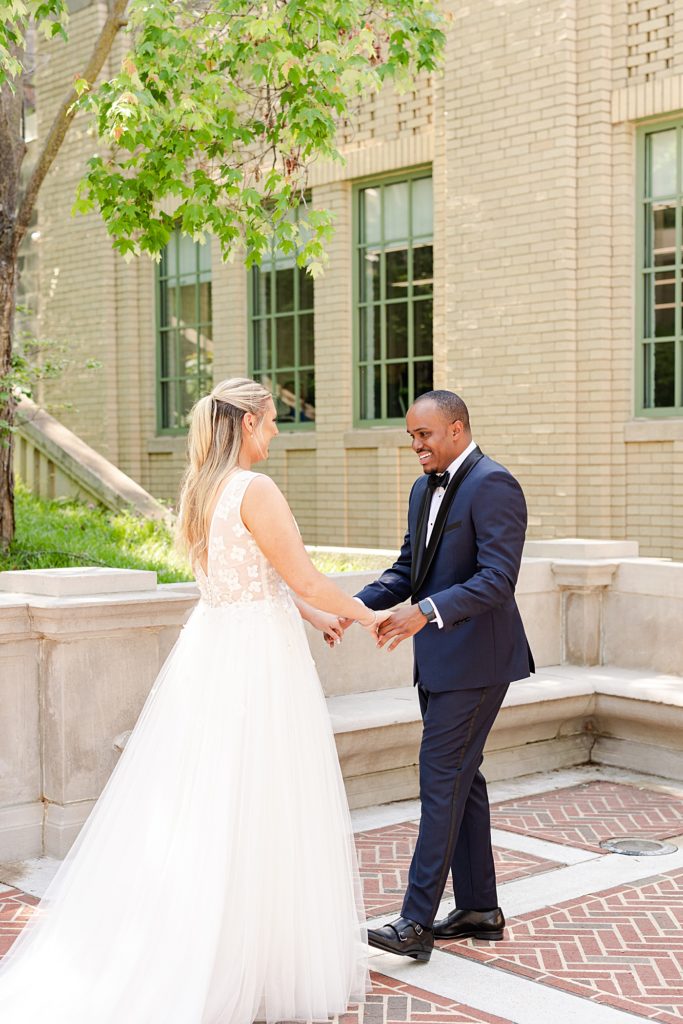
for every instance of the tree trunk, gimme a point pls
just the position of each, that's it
(15, 216)
(7, 296)
(12, 150)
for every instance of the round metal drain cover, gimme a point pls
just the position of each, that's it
(632, 847)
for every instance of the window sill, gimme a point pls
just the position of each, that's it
(167, 444)
(377, 437)
(294, 440)
(659, 429)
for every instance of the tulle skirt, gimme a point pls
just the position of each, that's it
(215, 881)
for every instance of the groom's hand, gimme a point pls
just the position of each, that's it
(399, 625)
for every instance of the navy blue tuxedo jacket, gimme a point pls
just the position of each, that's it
(471, 580)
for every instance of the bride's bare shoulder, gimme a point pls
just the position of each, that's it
(263, 501)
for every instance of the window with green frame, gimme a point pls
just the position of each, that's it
(282, 341)
(394, 295)
(185, 345)
(660, 234)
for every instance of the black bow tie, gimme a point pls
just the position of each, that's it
(435, 480)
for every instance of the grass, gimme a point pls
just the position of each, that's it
(60, 533)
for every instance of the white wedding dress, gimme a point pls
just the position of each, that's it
(215, 881)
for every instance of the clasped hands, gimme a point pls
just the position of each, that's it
(389, 629)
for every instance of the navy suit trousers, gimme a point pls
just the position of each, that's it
(455, 826)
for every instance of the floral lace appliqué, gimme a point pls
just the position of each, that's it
(238, 572)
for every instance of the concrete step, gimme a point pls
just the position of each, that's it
(563, 716)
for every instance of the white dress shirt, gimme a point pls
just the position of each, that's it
(437, 498)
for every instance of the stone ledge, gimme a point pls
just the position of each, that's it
(76, 582)
(563, 716)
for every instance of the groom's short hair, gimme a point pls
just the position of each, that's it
(450, 404)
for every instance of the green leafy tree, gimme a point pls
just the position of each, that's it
(218, 109)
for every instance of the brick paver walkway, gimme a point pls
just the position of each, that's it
(584, 815)
(384, 855)
(393, 1002)
(16, 908)
(623, 947)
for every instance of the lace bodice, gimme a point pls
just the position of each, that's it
(238, 571)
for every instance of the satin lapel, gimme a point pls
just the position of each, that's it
(428, 554)
(419, 546)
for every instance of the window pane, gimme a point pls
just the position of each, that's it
(187, 256)
(267, 381)
(423, 269)
(169, 263)
(424, 378)
(284, 290)
(168, 342)
(423, 207)
(189, 365)
(306, 351)
(665, 304)
(663, 235)
(169, 404)
(261, 294)
(663, 163)
(165, 298)
(285, 396)
(398, 398)
(369, 334)
(396, 210)
(370, 230)
(284, 341)
(188, 313)
(261, 345)
(205, 352)
(397, 330)
(307, 385)
(305, 290)
(422, 328)
(205, 302)
(369, 275)
(396, 262)
(189, 393)
(370, 392)
(664, 391)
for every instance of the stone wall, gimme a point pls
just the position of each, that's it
(79, 653)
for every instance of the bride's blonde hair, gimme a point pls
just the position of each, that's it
(214, 442)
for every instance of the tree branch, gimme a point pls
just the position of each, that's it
(66, 114)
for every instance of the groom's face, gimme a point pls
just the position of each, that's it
(436, 442)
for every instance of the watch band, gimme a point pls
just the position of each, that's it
(427, 609)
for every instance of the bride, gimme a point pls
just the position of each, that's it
(215, 881)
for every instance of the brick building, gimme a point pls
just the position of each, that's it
(511, 230)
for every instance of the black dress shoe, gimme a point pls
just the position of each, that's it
(407, 938)
(476, 924)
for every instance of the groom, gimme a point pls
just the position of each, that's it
(459, 565)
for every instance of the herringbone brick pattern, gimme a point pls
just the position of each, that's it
(584, 815)
(623, 947)
(16, 908)
(384, 856)
(393, 1002)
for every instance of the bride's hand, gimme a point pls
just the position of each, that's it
(373, 626)
(329, 625)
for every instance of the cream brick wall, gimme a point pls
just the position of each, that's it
(531, 135)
